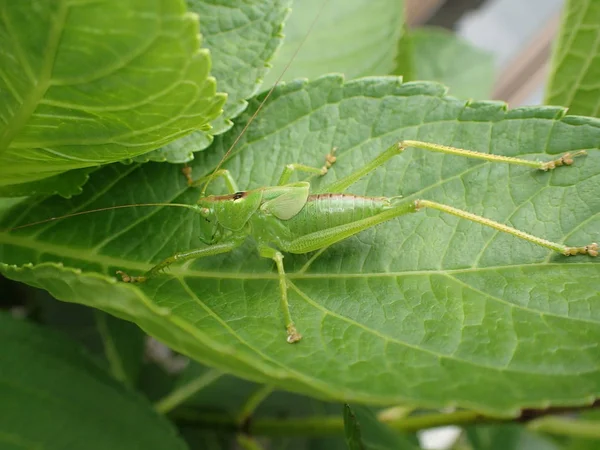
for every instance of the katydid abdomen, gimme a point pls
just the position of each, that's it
(323, 211)
(326, 219)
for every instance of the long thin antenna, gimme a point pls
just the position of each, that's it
(262, 103)
(237, 139)
(108, 208)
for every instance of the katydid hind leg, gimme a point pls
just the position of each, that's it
(399, 147)
(323, 238)
(590, 249)
(268, 252)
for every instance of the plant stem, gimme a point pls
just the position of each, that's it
(565, 426)
(253, 402)
(180, 394)
(322, 425)
(331, 425)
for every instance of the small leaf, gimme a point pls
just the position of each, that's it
(55, 397)
(440, 55)
(576, 61)
(86, 83)
(336, 43)
(405, 58)
(365, 432)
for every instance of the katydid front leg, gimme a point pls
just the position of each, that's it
(216, 249)
(291, 168)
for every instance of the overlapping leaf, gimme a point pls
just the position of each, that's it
(436, 54)
(574, 80)
(352, 37)
(242, 37)
(426, 309)
(86, 83)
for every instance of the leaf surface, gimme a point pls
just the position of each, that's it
(352, 37)
(576, 61)
(50, 386)
(426, 309)
(86, 83)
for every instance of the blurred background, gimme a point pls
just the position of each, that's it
(517, 33)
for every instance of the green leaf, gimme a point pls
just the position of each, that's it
(242, 37)
(66, 185)
(123, 347)
(86, 83)
(440, 55)
(576, 61)
(119, 345)
(155, 382)
(365, 432)
(354, 37)
(50, 384)
(427, 309)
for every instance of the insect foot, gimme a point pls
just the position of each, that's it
(330, 159)
(564, 160)
(129, 279)
(292, 334)
(187, 173)
(591, 250)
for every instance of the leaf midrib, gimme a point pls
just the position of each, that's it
(104, 260)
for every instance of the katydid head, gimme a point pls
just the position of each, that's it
(230, 212)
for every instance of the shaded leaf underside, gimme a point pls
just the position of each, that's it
(427, 309)
(49, 385)
(71, 100)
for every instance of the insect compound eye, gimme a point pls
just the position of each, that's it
(204, 212)
(238, 195)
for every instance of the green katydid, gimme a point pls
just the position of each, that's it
(289, 218)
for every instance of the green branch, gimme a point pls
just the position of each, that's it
(319, 426)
